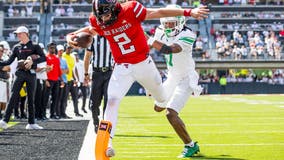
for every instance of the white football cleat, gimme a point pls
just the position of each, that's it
(33, 126)
(110, 152)
(3, 124)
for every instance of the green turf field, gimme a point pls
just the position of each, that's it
(227, 127)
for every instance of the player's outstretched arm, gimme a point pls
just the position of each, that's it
(197, 13)
(70, 36)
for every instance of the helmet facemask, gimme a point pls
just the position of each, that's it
(103, 8)
(178, 21)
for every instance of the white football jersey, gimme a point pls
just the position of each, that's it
(180, 63)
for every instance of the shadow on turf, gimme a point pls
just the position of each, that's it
(141, 136)
(9, 144)
(62, 130)
(220, 157)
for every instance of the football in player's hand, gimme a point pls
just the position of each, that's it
(83, 39)
(21, 64)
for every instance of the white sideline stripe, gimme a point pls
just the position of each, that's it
(244, 100)
(281, 106)
(88, 146)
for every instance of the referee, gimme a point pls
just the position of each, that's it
(102, 63)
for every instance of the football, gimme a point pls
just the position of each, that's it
(83, 39)
(21, 64)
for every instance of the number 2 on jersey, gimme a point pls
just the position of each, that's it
(122, 43)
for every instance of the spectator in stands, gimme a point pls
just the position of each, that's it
(57, 11)
(147, 3)
(34, 37)
(159, 3)
(29, 9)
(62, 11)
(277, 48)
(220, 50)
(236, 52)
(196, 3)
(184, 3)
(199, 45)
(23, 12)
(243, 2)
(10, 11)
(70, 11)
(11, 37)
(244, 52)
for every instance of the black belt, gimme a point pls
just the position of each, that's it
(102, 69)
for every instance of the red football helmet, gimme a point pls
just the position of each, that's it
(104, 7)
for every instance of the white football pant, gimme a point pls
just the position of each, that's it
(123, 76)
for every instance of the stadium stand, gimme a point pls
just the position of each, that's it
(20, 14)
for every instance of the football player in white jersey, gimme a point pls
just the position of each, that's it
(175, 41)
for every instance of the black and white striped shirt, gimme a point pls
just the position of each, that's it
(102, 56)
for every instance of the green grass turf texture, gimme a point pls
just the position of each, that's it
(227, 127)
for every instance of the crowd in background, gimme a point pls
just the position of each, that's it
(246, 46)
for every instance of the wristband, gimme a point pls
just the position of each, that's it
(150, 41)
(187, 12)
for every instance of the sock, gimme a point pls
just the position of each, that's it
(110, 142)
(191, 144)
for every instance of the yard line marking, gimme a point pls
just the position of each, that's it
(244, 100)
(216, 144)
(207, 124)
(211, 132)
(281, 106)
